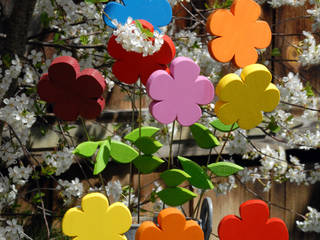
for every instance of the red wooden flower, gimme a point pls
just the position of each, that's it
(130, 66)
(254, 224)
(72, 92)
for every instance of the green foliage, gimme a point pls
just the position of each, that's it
(147, 163)
(224, 169)
(86, 149)
(146, 32)
(122, 152)
(102, 158)
(145, 132)
(45, 20)
(176, 196)
(217, 124)
(37, 197)
(174, 177)
(308, 89)
(147, 145)
(275, 52)
(273, 126)
(96, 1)
(204, 138)
(84, 39)
(199, 177)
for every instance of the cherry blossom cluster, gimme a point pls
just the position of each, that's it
(133, 39)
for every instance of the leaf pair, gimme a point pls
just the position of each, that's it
(119, 151)
(174, 195)
(143, 139)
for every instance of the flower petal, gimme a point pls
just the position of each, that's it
(115, 49)
(63, 72)
(91, 109)
(47, 91)
(171, 220)
(230, 228)
(245, 55)
(159, 84)
(119, 218)
(203, 92)
(276, 229)
(226, 112)
(262, 34)
(192, 231)
(166, 52)
(94, 203)
(221, 23)
(90, 83)
(148, 230)
(249, 118)
(146, 69)
(188, 114)
(67, 111)
(184, 71)
(72, 222)
(270, 98)
(222, 49)
(126, 71)
(248, 10)
(230, 88)
(257, 77)
(163, 111)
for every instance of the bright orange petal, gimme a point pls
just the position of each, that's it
(148, 230)
(220, 22)
(248, 10)
(222, 49)
(245, 55)
(262, 34)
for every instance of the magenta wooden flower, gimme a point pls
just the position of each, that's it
(177, 96)
(72, 92)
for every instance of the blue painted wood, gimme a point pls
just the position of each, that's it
(157, 12)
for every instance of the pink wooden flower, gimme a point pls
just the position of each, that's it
(177, 96)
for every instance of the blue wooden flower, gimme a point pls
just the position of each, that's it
(157, 12)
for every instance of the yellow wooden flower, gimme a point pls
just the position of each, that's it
(97, 220)
(242, 99)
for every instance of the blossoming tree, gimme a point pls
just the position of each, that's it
(133, 50)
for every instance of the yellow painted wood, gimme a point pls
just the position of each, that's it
(97, 220)
(242, 99)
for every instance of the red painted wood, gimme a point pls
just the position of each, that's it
(254, 224)
(72, 92)
(129, 66)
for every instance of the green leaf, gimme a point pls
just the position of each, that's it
(102, 158)
(122, 152)
(199, 177)
(147, 163)
(84, 39)
(139, 25)
(273, 126)
(147, 145)
(204, 138)
(44, 18)
(308, 89)
(275, 52)
(217, 124)
(174, 177)
(176, 196)
(145, 132)
(224, 169)
(86, 149)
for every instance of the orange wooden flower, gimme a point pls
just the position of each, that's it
(172, 226)
(239, 33)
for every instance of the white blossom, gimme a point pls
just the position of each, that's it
(312, 221)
